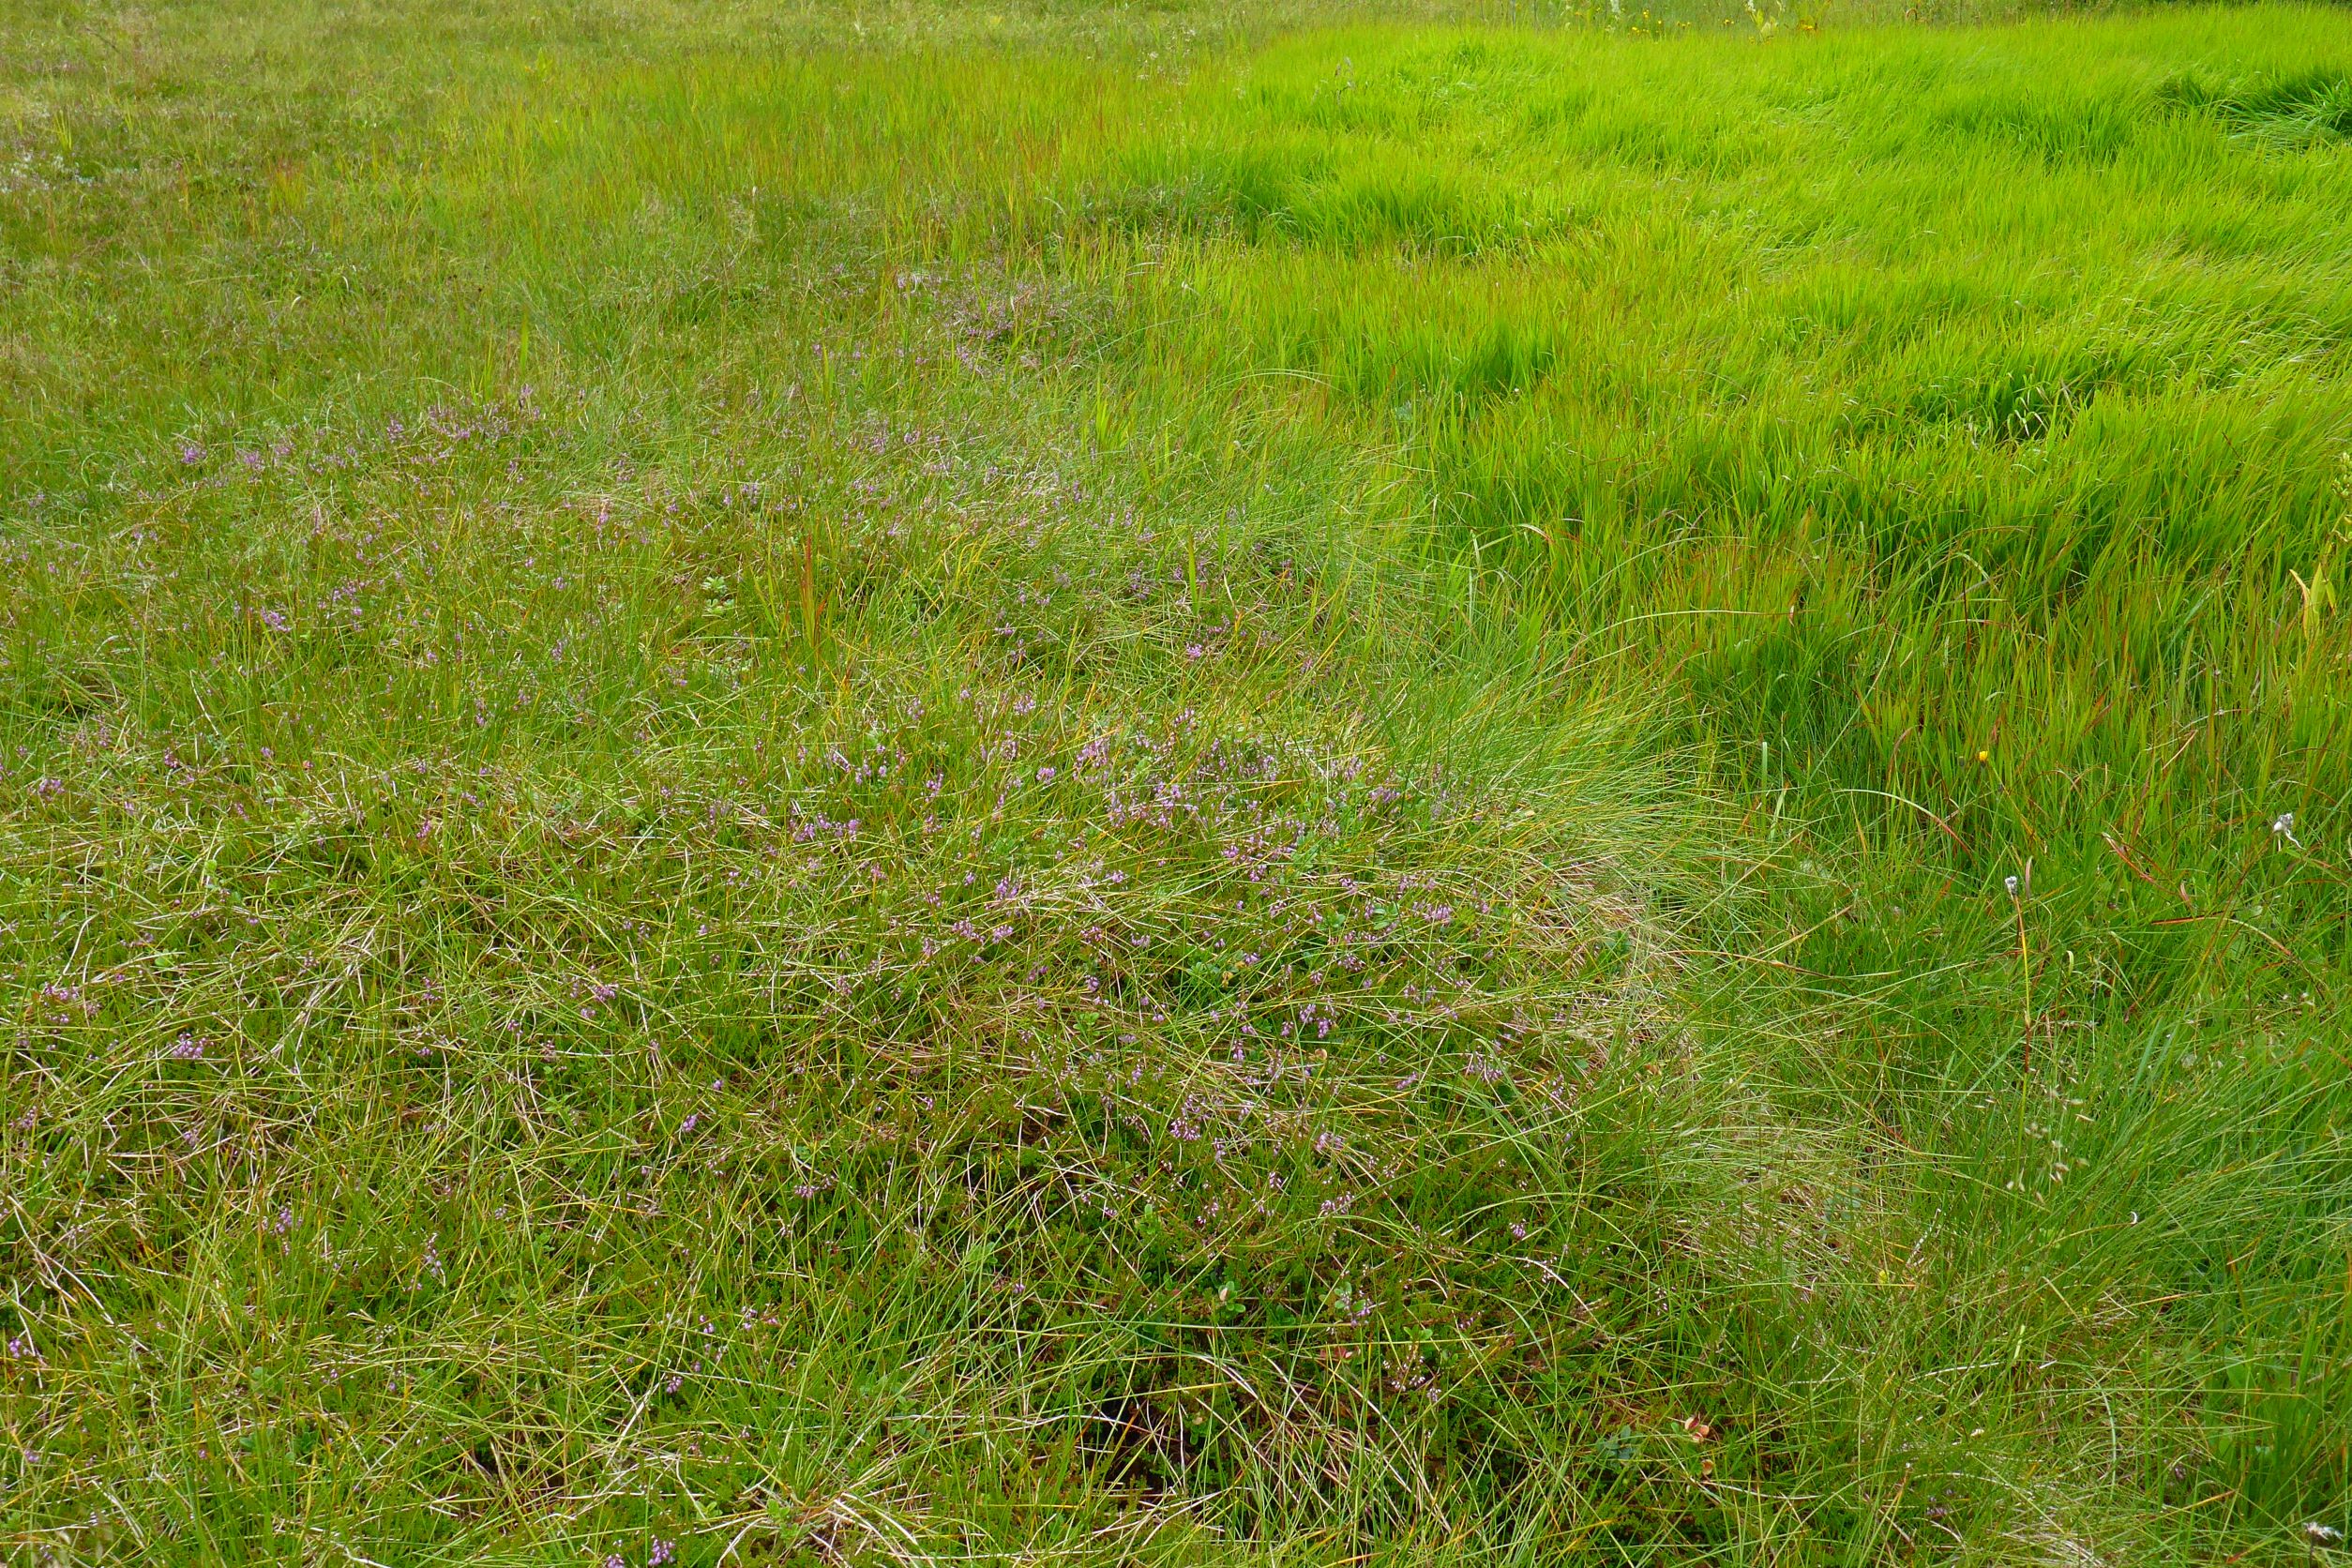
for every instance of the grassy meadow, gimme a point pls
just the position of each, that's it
(1241, 781)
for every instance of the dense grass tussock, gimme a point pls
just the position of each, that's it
(988, 1018)
(1174, 790)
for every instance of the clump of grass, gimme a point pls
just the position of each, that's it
(1051, 1020)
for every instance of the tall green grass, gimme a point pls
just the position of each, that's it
(1160, 785)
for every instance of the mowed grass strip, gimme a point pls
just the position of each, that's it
(1140, 795)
